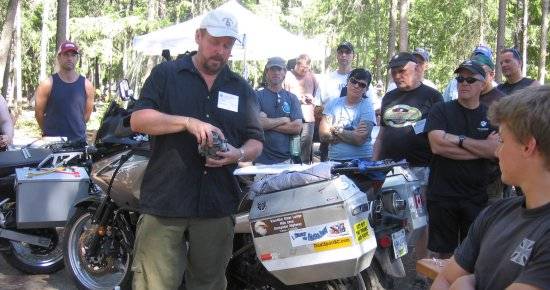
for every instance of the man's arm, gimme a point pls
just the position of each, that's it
(41, 99)
(6, 122)
(291, 128)
(90, 94)
(325, 133)
(450, 273)
(153, 122)
(440, 144)
(270, 123)
(356, 137)
(481, 148)
(377, 148)
(250, 150)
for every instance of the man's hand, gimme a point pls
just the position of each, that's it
(231, 156)
(493, 138)
(4, 141)
(202, 131)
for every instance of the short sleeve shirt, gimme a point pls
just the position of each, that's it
(341, 115)
(508, 88)
(508, 243)
(459, 178)
(176, 182)
(275, 105)
(401, 110)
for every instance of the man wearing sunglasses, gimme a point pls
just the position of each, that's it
(280, 114)
(347, 122)
(511, 64)
(463, 142)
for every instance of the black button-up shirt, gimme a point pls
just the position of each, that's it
(176, 182)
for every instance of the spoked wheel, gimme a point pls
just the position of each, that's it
(375, 278)
(32, 259)
(103, 264)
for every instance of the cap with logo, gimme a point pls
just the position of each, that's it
(484, 60)
(401, 59)
(471, 66)
(67, 46)
(275, 61)
(345, 45)
(422, 53)
(219, 23)
(483, 50)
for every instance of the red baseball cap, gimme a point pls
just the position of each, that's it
(67, 46)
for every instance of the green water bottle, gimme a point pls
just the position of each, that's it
(295, 149)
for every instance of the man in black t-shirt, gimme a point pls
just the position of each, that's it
(403, 117)
(508, 245)
(463, 142)
(511, 63)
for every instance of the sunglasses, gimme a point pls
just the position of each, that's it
(353, 81)
(469, 80)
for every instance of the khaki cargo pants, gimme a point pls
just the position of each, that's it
(161, 254)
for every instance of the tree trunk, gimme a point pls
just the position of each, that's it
(500, 37)
(44, 40)
(6, 36)
(392, 33)
(378, 54)
(62, 33)
(6, 73)
(17, 63)
(152, 10)
(404, 25)
(524, 35)
(97, 83)
(543, 41)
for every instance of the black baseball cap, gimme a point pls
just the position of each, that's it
(345, 45)
(401, 59)
(472, 66)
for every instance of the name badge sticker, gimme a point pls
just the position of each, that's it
(419, 126)
(228, 102)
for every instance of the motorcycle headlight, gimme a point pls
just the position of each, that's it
(392, 202)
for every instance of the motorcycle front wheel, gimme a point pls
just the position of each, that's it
(96, 268)
(33, 259)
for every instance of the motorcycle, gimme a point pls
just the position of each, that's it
(35, 202)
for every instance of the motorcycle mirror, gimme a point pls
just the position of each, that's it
(124, 91)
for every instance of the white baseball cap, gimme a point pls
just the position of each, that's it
(220, 23)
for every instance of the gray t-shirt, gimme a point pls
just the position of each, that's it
(508, 244)
(275, 105)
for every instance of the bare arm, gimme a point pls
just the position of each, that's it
(356, 137)
(325, 133)
(42, 94)
(292, 128)
(250, 150)
(153, 122)
(481, 148)
(445, 147)
(377, 148)
(450, 273)
(270, 123)
(90, 94)
(6, 123)
(522, 286)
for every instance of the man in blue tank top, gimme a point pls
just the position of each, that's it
(65, 100)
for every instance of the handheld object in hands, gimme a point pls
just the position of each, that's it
(218, 144)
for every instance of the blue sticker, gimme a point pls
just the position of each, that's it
(286, 107)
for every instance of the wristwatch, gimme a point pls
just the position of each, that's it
(461, 140)
(242, 155)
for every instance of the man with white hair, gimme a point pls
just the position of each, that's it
(186, 199)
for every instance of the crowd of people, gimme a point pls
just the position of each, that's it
(454, 142)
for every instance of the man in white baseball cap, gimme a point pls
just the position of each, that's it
(187, 199)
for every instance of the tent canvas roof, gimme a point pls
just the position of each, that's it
(262, 38)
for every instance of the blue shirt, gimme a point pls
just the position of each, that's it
(276, 105)
(349, 118)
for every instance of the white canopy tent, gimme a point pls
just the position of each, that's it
(262, 38)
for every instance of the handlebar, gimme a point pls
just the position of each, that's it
(366, 166)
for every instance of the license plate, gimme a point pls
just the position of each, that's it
(399, 241)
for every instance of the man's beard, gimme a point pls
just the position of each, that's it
(214, 65)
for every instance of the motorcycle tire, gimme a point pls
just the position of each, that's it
(78, 269)
(375, 278)
(31, 259)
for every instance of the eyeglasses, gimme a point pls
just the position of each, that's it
(278, 103)
(353, 81)
(469, 80)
